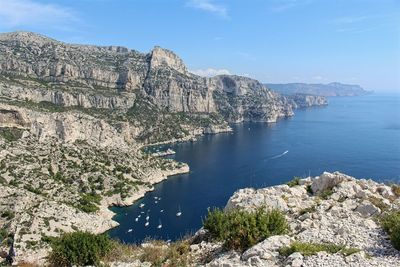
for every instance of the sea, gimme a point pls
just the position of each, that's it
(358, 136)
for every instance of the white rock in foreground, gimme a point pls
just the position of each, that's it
(341, 211)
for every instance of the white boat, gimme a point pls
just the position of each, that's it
(139, 216)
(141, 205)
(147, 218)
(142, 212)
(156, 201)
(159, 226)
(137, 219)
(179, 213)
(146, 224)
(161, 210)
(130, 230)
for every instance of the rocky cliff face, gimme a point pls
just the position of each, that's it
(38, 68)
(305, 101)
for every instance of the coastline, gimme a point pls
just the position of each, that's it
(116, 201)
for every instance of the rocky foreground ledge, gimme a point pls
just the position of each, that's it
(341, 210)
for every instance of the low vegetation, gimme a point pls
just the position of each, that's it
(294, 182)
(11, 134)
(391, 224)
(82, 248)
(240, 229)
(79, 248)
(176, 254)
(308, 249)
(88, 202)
(396, 190)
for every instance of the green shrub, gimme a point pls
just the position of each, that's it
(11, 134)
(88, 202)
(391, 224)
(241, 229)
(8, 214)
(308, 249)
(309, 189)
(294, 182)
(326, 194)
(79, 248)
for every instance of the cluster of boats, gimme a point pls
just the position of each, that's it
(159, 226)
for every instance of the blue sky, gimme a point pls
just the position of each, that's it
(316, 41)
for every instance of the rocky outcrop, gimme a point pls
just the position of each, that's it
(12, 118)
(344, 215)
(243, 99)
(68, 127)
(306, 101)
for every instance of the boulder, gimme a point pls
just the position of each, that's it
(367, 209)
(326, 181)
(267, 248)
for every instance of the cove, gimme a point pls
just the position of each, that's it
(359, 136)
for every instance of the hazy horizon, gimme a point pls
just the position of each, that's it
(286, 41)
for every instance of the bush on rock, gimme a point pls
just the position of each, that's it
(79, 248)
(241, 229)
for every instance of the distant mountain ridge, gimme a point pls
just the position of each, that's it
(330, 89)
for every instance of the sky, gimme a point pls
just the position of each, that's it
(274, 41)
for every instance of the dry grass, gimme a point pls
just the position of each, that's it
(27, 264)
(396, 190)
(122, 252)
(156, 252)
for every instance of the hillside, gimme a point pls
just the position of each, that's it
(330, 89)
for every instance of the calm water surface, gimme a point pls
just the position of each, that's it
(359, 136)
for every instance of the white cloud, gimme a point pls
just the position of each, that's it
(209, 6)
(16, 13)
(210, 72)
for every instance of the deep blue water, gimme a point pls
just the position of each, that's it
(359, 136)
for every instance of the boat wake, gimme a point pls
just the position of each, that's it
(278, 156)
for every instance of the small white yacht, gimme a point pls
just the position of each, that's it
(130, 230)
(141, 205)
(179, 213)
(146, 224)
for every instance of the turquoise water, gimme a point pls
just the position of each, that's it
(359, 136)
